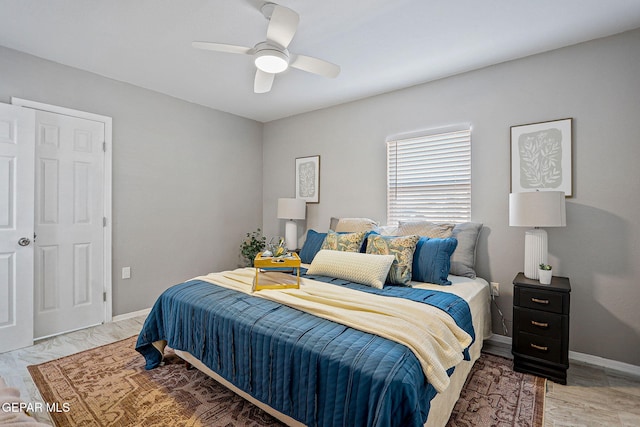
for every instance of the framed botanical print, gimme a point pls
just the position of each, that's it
(308, 179)
(541, 157)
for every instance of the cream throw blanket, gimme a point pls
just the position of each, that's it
(429, 332)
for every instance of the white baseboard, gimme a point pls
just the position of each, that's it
(605, 363)
(501, 339)
(131, 315)
(583, 358)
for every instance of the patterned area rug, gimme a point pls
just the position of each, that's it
(108, 386)
(495, 395)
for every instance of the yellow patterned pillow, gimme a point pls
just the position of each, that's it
(402, 249)
(429, 229)
(367, 269)
(349, 242)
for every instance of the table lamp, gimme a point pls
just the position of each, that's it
(536, 209)
(291, 210)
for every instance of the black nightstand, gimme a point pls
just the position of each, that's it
(541, 327)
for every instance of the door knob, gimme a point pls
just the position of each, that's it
(24, 241)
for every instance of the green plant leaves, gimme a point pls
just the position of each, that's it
(252, 245)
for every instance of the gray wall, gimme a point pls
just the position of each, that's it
(595, 83)
(184, 192)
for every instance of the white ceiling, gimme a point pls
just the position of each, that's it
(380, 45)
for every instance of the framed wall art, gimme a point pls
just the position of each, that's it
(541, 157)
(308, 179)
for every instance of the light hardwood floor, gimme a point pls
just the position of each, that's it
(594, 396)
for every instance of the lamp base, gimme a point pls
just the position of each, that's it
(291, 235)
(535, 252)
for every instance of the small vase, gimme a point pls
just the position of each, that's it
(545, 276)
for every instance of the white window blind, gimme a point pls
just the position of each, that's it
(429, 177)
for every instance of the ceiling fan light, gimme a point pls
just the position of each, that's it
(271, 61)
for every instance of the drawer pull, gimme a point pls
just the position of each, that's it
(539, 347)
(540, 301)
(540, 324)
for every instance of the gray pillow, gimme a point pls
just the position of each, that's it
(463, 260)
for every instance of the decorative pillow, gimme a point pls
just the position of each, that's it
(348, 242)
(388, 230)
(432, 260)
(363, 248)
(402, 248)
(426, 229)
(370, 270)
(311, 246)
(352, 225)
(463, 260)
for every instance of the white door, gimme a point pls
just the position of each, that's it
(16, 226)
(69, 210)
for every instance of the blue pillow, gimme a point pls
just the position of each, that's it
(311, 246)
(363, 249)
(432, 260)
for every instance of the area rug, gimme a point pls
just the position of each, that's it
(108, 386)
(495, 395)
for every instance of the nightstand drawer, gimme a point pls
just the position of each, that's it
(541, 347)
(539, 322)
(540, 300)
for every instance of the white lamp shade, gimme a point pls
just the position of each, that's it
(537, 209)
(291, 208)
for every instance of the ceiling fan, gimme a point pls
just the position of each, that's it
(271, 56)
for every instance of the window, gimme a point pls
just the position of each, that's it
(429, 177)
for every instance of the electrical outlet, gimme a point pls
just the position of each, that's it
(495, 289)
(126, 272)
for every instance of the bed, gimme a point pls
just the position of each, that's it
(309, 367)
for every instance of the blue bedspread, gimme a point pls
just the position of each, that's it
(317, 371)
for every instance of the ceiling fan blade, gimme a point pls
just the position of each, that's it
(263, 81)
(315, 66)
(221, 47)
(283, 25)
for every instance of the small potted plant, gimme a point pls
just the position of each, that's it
(545, 271)
(252, 245)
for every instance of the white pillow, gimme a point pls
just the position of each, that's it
(388, 230)
(367, 269)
